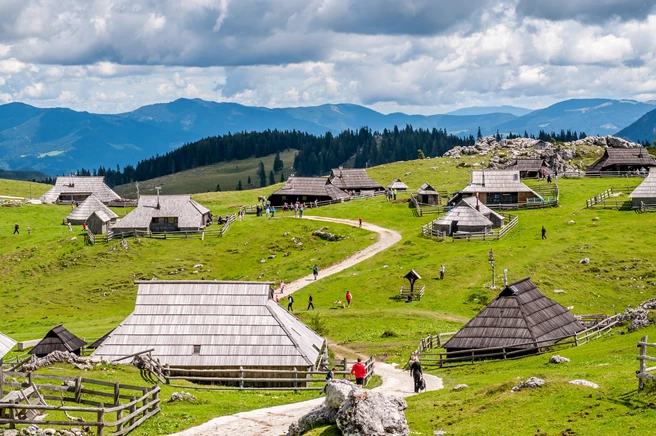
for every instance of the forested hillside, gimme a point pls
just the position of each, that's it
(317, 153)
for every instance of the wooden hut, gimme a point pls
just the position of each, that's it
(520, 319)
(58, 339)
(497, 187)
(622, 160)
(529, 168)
(165, 213)
(6, 344)
(213, 325)
(468, 216)
(99, 222)
(645, 193)
(306, 189)
(428, 196)
(76, 189)
(354, 179)
(98, 342)
(398, 185)
(90, 205)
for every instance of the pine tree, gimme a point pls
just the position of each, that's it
(525, 134)
(282, 177)
(278, 165)
(249, 183)
(272, 179)
(498, 136)
(420, 154)
(479, 135)
(261, 173)
(218, 188)
(239, 186)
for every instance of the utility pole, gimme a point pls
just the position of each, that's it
(491, 260)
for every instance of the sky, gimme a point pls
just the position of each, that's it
(413, 56)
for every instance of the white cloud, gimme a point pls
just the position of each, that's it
(11, 66)
(154, 23)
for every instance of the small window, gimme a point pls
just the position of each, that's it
(304, 198)
(196, 349)
(515, 177)
(156, 220)
(284, 197)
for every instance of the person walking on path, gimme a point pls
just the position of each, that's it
(300, 211)
(310, 303)
(70, 227)
(359, 371)
(394, 194)
(544, 233)
(442, 271)
(273, 211)
(16, 226)
(348, 298)
(29, 230)
(417, 373)
(84, 226)
(282, 287)
(360, 220)
(290, 303)
(315, 271)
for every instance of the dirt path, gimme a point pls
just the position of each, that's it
(386, 239)
(274, 421)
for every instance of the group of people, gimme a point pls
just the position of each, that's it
(390, 194)
(17, 229)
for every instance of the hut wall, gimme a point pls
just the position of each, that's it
(279, 200)
(96, 225)
(648, 201)
(429, 199)
(496, 221)
(163, 225)
(236, 374)
(442, 228)
(472, 229)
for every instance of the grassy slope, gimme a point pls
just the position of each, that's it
(205, 179)
(17, 188)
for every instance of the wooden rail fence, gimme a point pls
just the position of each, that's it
(186, 234)
(601, 200)
(515, 351)
(312, 204)
(139, 403)
(428, 231)
(644, 372)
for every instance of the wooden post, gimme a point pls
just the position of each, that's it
(295, 377)
(167, 374)
(117, 391)
(153, 398)
(132, 409)
(101, 420)
(241, 377)
(78, 389)
(345, 367)
(504, 353)
(119, 416)
(12, 416)
(643, 364)
(2, 381)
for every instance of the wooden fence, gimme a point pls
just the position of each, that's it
(644, 372)
(597, 174)
(428, 231)
(422, 209)
(515, 351)
(601, 200)
(489, 236)
(262, 379)
(139, 403)
(312, 204)
(186, 234)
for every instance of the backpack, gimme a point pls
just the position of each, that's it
(422, 384)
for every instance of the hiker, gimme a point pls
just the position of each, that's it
(348, 298)
(290, 303)
(273, 211)
(360, 219)
(316, 203)
(442, 271)
(16, 229)
(417, 373)
(29, 230)
(360, 372)
(394, 194)
(315, 271)
(549, 178)
(84, 226)
(271, 292)
(282, 287)
(70, 227)
(310, 303)
(268, 211)
(329, 376)
(295, 210)
(544, 233)
(300, 211)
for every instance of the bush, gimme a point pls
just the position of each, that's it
(318, 324)
(389, 334)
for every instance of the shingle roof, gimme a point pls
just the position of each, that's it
(646, 189)
(235, 323)
(88, 207)
(483, 209)
(6, 344)
(353, 178)
(496, 181)
(465, 215)
(57, 339)
(310, 186)
(397, 184)
(426, 189)
(637, 156)
(80, 185)
(520, 314)
(102, 216)
(189, 212)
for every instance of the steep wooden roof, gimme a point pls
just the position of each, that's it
(310, 186)
(427, 189)
(235, 324)
(57, 339)
(189, 212)
(646, 189)
(465, 215)
(87, 208)
(80, 185)
(397, 184)
(353, 178)
(520, 314)
(500, 181)
(483, 209)
(6, 344)
(637, 157)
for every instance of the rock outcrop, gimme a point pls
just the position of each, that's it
(558, 359)
(531, 383)
(80, 362)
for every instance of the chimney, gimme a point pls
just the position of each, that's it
(158, 188)
(340, 171)
(483, 181)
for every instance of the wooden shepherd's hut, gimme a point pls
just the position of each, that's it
(354, 179)
(6, 344)
(99, 222)
(520, 319)
(306, 189)
(622, 160)
(398, 185)
(497, 187)
(645, 193)
(426, 195)
(165, 213)
(76, 189)
(58, 339)
(82, 213)
(213, 325)
(529, 168)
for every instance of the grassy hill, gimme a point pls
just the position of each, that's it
(206, 179)
(23, 175)
(17, 188)
(48, 278)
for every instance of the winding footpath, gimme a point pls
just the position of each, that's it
(274, 421)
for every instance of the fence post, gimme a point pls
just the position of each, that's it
(345, 367)
(117, 391)
(78, 389)
(154, 403)
(101, 420)
(643, 363)
(119, 416)
(132, 409)
(241, 377)
(295, 377)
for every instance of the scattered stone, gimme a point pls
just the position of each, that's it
(285, 234)
(460, 387)
(198, 265)
(262, 260)
(439, 432)
(385, 266)
(531, 383)
(595, 218)
(327, 236)
(80, 362)
(337, 391)
(584, 383)
(322, 415)
(183, 396)
(571, 222)
(372, 413)
(286, 254)
(638, 317)
(300, 244)
(408, 173)
(559, 291)
(74, 238)
(272, 256)
(585, 260)
(558, 359)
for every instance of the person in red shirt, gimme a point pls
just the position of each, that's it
(360, 219)
(360, 372)
(348, 298)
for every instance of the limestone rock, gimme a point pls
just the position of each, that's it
(531, 383)
(584, 383)
(322, 415)
(183, 396)
(558, 359)
(337, 391)
(367, 413)
(585, 260)
(460, 387)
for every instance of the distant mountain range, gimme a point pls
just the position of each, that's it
(641, 130)
(58, 140)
